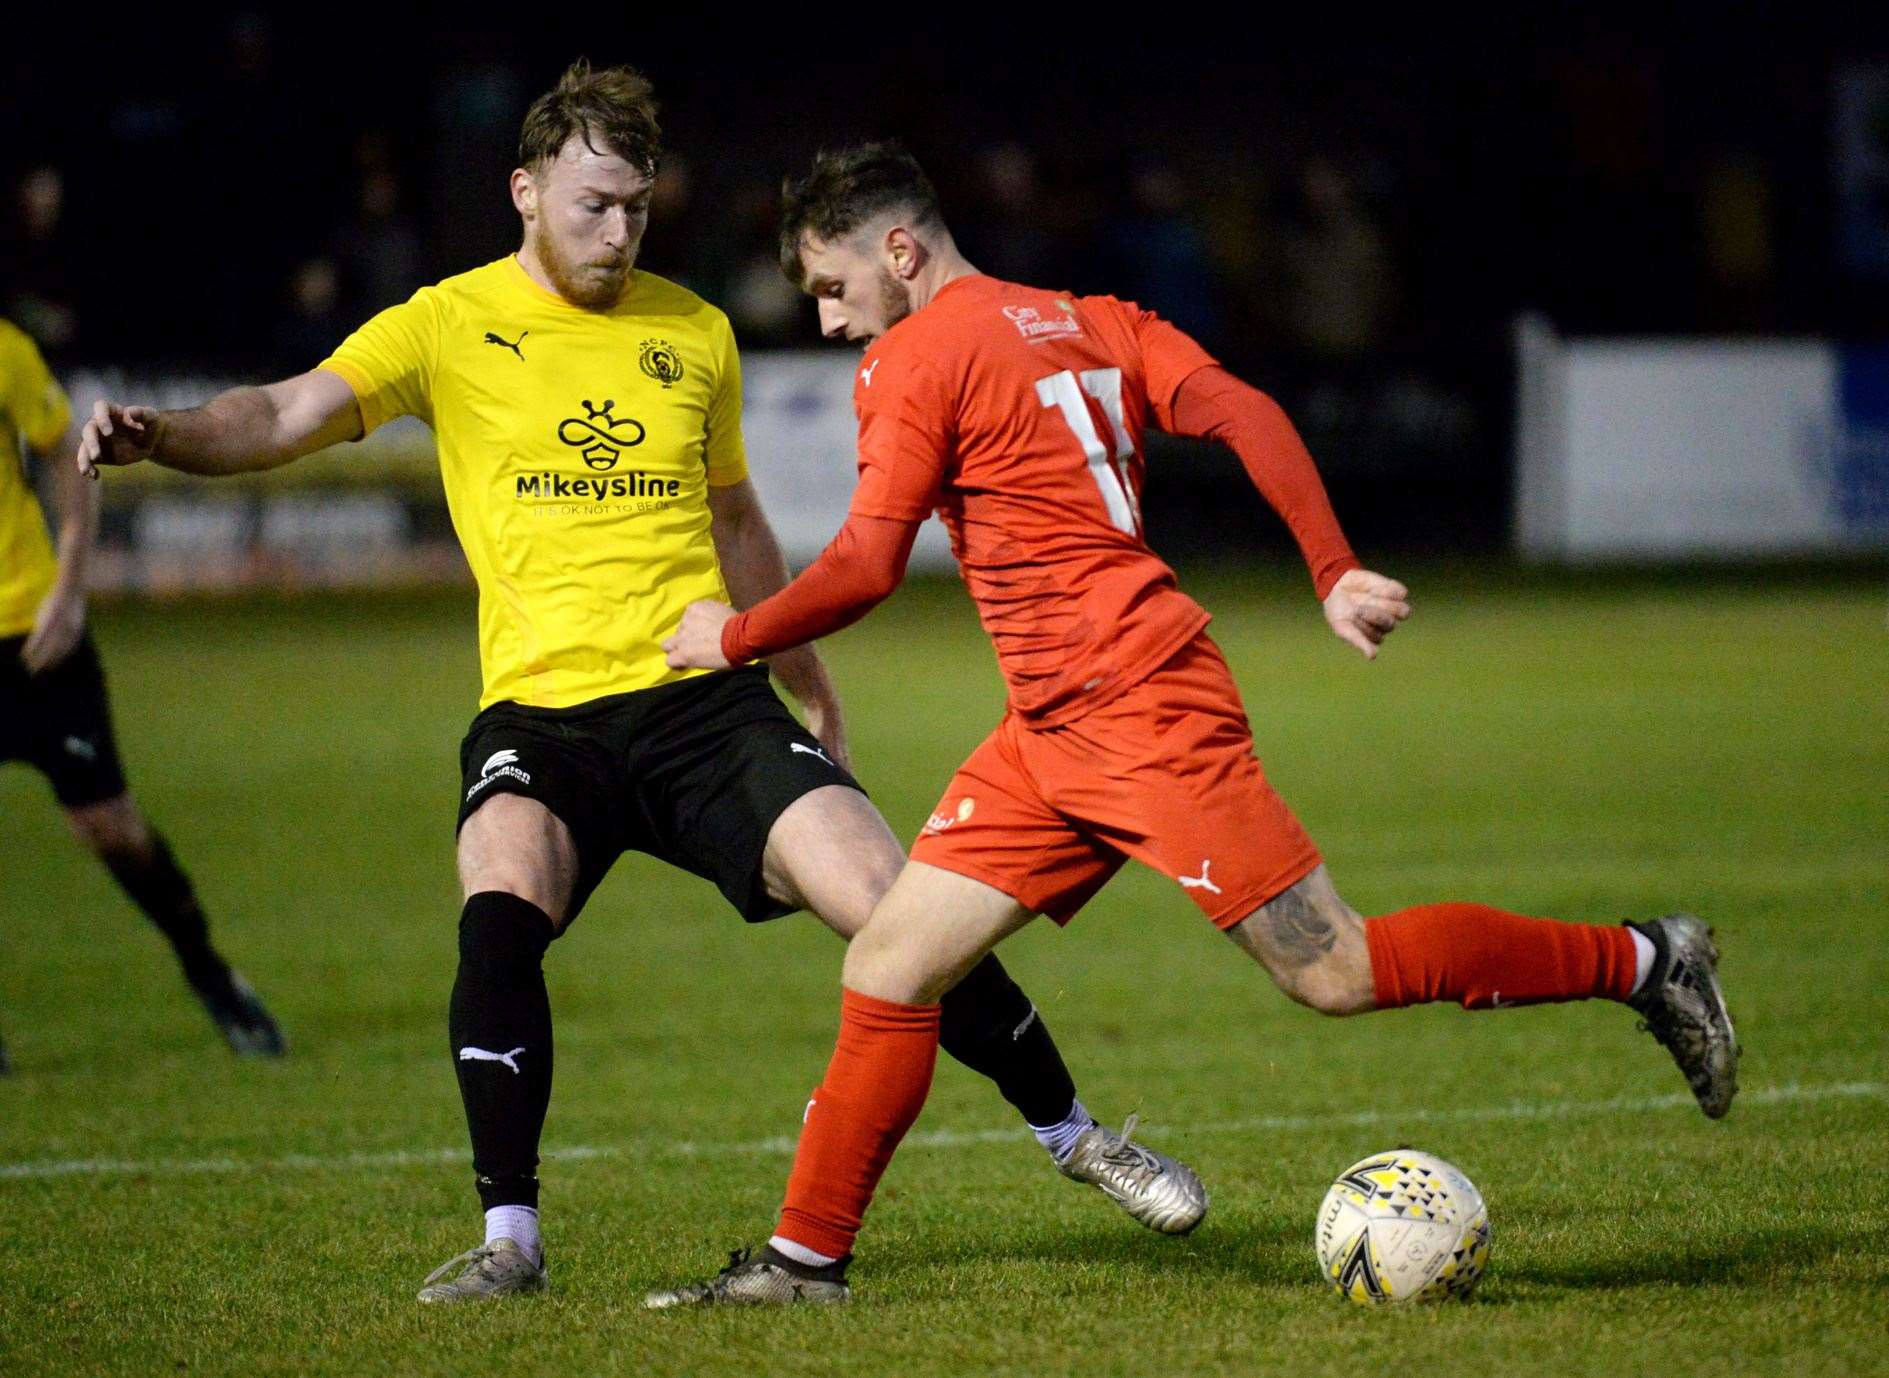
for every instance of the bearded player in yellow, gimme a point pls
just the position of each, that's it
(54, 713)
(588, 417)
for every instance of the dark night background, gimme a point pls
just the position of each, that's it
(1351, 209)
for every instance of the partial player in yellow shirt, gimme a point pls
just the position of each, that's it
(54, 712)
(588, 422)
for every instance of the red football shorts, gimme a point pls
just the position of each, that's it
(1164, 773)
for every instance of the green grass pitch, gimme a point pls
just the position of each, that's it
(1595, 748)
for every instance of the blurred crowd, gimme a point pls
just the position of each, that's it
(247, 202)
(1308, 266)
(1352, 216)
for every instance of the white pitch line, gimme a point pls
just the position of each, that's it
(783, 1145)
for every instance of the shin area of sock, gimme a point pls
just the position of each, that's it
(874, 1088)
(1489, 958)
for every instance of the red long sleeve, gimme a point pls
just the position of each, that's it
(857, 571)
(1212, 403)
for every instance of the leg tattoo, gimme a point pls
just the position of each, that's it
(1297, 933)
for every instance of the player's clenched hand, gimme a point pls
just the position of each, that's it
(116, 435)
(696, 644)
(1364, 608)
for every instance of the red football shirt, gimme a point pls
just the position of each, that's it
(1017, 414)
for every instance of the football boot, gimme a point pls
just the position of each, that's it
(240, 1016)
(498, 1269)
(769, 1278)
(1160, 1192)
(1682, 1006)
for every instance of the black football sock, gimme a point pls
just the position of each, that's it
(158, 886)
(500, 1021)
(989, 1025)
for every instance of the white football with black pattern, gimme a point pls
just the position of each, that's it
(1402, 1226)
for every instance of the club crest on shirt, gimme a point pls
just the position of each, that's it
(661, 361)
(602, 445)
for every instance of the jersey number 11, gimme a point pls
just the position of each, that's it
(1064, 392)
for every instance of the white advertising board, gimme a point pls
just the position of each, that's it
(797, 418)
(1662, 449)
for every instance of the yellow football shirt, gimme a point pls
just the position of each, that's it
(34, 409)
(577, 449)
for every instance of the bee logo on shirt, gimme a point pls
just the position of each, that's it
(661, 362)
(602, 445)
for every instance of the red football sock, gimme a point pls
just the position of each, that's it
(874, 1088)
(1488, 957)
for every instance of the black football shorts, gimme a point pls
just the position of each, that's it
(693, 773)
(59, 722)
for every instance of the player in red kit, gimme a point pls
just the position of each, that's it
(1018, 415)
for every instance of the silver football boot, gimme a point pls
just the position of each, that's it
(498, 1269)
(766, 1280)
(1160, 1192)
(1682, 1006)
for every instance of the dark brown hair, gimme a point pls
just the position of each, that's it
(615, 107)
(847, 188)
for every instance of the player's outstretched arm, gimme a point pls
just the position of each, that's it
(755, 570)
(857, 571)
(234, 432)
(1362, 607)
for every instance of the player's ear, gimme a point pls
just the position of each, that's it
(525, 193)
(904, 254)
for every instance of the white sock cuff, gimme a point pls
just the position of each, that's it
(1060, 1139)
(518, 1224)
(1643, 952)
(800, 1253)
